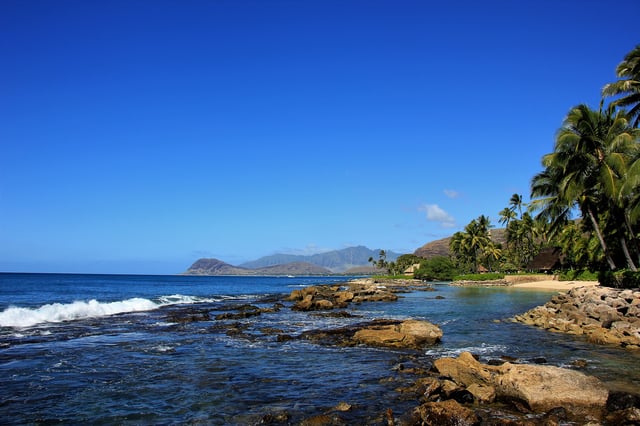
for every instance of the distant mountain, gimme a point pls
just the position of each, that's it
(441, 247)
(337, 261)
(218, 267)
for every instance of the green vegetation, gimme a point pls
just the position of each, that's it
(438, 268)
(576, 275)
(479, 277)
(391, 277)
(594, 171)
(398, 267)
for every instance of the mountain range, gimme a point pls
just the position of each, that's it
(349, 260)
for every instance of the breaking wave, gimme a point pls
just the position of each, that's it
(19, 317)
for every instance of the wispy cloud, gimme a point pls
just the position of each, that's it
(451, 193)
(437, 214)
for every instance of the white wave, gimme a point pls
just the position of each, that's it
(58, 312)
(179, 299)
(483, 349)
(19, 317)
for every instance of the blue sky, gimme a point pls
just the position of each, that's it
(138, 136)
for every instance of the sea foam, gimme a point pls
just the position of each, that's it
(19, 317)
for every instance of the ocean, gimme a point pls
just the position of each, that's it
(118, 349)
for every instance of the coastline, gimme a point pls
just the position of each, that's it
(533, 282)
(555, 285)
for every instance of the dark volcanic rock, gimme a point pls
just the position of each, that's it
(186, 315)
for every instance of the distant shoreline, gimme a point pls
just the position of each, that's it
(532, 282)
(556, 285)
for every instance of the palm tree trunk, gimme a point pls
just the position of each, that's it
(634, 240)
(596, 228)
(625, 249)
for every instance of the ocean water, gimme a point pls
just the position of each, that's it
(109, 349)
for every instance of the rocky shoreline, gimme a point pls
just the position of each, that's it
(463, 390)
(603, 315)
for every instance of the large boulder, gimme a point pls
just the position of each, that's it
(407, 334)
(539, 388)
(465, 370)
(543, 387)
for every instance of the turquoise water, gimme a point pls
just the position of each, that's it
(104, 349)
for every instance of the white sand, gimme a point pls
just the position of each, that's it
(555, 285)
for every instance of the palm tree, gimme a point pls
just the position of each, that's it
(628, 87)
(506, 216)
(491, 253)
(516, 203)
(586, 170)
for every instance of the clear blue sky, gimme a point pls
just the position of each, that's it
(138, 136)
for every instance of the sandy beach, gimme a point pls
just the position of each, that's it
(555, 285)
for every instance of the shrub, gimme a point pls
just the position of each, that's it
(438, 268)
(619, 279)
(578, 275)
(480, 277)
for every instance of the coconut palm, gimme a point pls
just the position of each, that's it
(587, 169)
(516, 203)
(628, 87)
(506, 216)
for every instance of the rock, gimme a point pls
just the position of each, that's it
(279, 417)
(326, 297)
(622, 400)
(462, 396)
(344, 296)
(187, 315)
(447, 413)
(465, 370)
(538, 388)
(323, 304)
(322, 420)
(628, 416)
(408, 334)
(603, 315)
(342, 406)
(483, 394)
(543, 388)
(305, 304)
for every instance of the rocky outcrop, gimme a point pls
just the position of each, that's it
(324, 297)
(536, 388)
(413, 334)
(409, 334)
(604, 315)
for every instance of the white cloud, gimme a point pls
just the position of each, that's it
(437, 214)
(451, 193)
